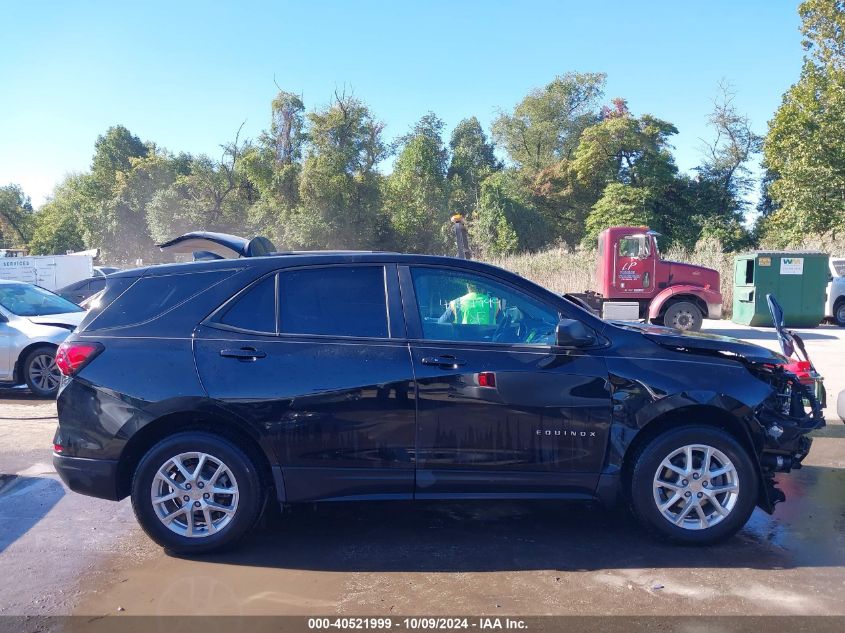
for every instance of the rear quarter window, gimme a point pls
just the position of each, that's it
(147, 298)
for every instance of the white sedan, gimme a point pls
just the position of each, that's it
(33, 322)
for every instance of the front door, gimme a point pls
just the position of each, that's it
(634, 265)
(315, 358)
(501, 411)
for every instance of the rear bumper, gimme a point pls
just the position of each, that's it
(92, 477)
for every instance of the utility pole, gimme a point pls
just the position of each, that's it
(461, 238)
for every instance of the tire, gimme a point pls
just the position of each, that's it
(839, 313)
(225, 467)
(653, 485)
(40, 372)
(684, 316)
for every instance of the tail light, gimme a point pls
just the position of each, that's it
(74, 355)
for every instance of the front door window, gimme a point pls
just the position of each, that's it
(456, 306)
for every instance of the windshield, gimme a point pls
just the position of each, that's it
(27, 301)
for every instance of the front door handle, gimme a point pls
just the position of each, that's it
(244, 353)
(443, 362)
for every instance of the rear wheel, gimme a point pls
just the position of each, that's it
(40, 372)
(683, 315)
(839, 313)
(694, 484)
(196, 492)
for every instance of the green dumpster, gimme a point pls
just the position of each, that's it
(798, 279)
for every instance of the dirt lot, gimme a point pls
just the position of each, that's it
(65, 553)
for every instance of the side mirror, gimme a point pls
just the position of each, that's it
(572, 333)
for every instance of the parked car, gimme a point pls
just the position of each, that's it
(33, 321)
(202, 388)
(79, 291)
(835, 306)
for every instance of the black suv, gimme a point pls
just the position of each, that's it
(202, 389)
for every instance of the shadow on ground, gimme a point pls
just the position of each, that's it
(24, 501)
(808, 530)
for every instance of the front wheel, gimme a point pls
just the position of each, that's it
(684, 316)
(196, 492)
(694, 484)
(40, 372)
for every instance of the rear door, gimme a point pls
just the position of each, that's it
(501, 412)
(314, 356)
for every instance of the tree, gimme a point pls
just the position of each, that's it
(340, 188)
(415, 193)
(55, 231)
(623, 148)
(273, 165)
(473, 159)
(507, 219)
(726, 158)
(15, 215)
(196, 193)
(621, 205)
(803, 147)
(546, 125)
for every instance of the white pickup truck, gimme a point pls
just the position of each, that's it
(835, 306)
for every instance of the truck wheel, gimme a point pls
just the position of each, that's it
(40, 372)
(195, 492)
(839, 313)
(694, 484)
(683, 315)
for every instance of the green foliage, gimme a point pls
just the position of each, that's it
(804, 146)
(507, 219)
(620, 205)
(340, 187)
(546, 125)
(415, 193)
(473, 159)
(56, 230)
(622, 148)
(15, 216)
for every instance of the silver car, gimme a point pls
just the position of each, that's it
(33, 322)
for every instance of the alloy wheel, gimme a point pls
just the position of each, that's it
(44, 373)
(194, 494)
(696, 487)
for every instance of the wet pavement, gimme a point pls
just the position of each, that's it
(66, 553)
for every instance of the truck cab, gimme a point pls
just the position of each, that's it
(631, 269)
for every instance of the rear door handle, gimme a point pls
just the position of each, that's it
(244, 353)
(443, 362)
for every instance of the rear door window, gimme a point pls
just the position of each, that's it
(334, 301)
(150, 297)
(255, 309)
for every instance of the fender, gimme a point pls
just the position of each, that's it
(712, 298)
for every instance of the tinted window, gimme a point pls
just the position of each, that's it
(96, 285)
(342, 301)
(456, 306)
(255, 309)
(150, 297)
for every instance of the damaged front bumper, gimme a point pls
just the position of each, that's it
(793, 410)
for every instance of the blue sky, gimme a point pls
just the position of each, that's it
(187, 74)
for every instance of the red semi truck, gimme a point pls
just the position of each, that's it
(634, 282)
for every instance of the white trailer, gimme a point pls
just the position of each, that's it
(48, 271)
